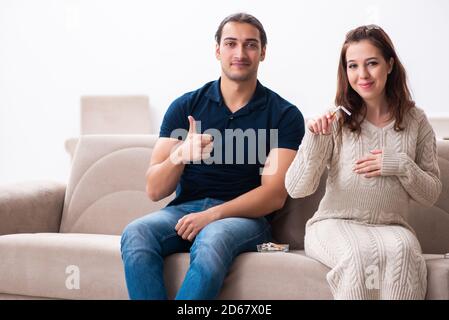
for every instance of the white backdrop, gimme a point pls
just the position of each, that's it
(54, 51)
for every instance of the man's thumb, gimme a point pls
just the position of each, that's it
(192, 125)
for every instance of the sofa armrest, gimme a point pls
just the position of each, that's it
(31, 207)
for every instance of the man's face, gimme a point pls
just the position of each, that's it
(240, 51)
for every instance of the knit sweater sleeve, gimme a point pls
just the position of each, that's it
(304, 173)
(420, 178)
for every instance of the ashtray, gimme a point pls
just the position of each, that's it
(272, 247)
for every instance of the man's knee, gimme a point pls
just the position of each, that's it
(138, 231)
(131, 231)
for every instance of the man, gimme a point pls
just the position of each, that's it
(223, 193)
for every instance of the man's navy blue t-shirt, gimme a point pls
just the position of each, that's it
(242, 140)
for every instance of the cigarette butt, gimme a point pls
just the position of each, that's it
(345, 110)
(342, 108)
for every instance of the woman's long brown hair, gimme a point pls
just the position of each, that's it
(396, 89)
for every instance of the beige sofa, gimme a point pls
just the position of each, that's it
(59, 241)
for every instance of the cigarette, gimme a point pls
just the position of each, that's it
(342, 108)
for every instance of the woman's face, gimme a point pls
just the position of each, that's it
(367, 70)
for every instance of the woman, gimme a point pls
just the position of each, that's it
(378, 157)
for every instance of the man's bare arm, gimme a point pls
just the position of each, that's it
(268, 197)
(163, 173)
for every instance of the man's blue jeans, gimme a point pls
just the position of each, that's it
(146, 241)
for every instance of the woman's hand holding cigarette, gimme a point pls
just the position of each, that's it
(322, 124)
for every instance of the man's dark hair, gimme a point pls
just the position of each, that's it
(242, 18)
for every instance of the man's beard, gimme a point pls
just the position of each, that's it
(239, 77)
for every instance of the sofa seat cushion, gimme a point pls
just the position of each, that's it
(280, 275)
(40, 264)
(291, 276)
(255, 275)
(437, 278)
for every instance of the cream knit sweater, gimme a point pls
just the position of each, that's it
(360, 229)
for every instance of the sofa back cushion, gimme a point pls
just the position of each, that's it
(288, 224)
(430, 224)
(106, 189)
